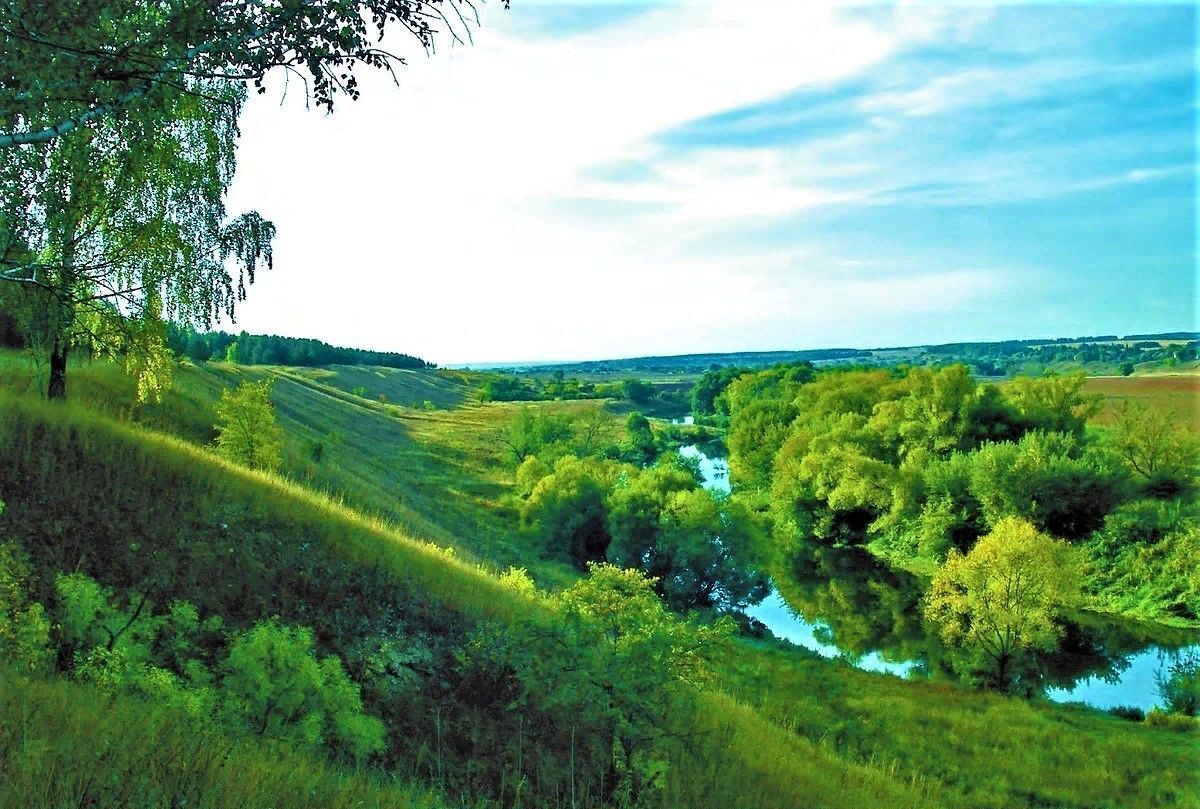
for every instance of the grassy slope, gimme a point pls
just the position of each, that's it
(196, 519)
(60, 746)
(974, 749)
(439, 474)
(818, 734)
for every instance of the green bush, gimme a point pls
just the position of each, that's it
(1179, 685)
(1171, 721)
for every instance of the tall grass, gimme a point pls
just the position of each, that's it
(972, 748)
(62, 745)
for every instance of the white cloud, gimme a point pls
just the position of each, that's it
(461, 216)
(422, 218)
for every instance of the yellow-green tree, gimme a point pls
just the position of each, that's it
(1157, 446)
(276, 687)
(1004, 598)
(246, 429)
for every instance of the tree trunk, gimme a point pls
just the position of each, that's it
(57, 388)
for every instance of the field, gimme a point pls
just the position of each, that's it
(1177, 393)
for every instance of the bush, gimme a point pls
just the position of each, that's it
(1128, 712)
(1179, 685)
(247, 432)
(1049, 479)
(1171, 721)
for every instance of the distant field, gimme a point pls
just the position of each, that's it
(1179, 393)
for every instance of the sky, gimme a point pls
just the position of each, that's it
(598, 180)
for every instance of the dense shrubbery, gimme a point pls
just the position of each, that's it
(920, 462)
(512, 388)
(703, 551)
(1179, 685)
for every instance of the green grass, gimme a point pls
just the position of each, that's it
(973, 749)
(441, 475)
(61, 745)
(442, 389)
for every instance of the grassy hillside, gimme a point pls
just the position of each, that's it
(971, 748)
(438, 474)
(132, 506)
(60, 746)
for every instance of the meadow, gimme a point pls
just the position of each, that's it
(1177, 393)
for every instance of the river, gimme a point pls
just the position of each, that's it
(1103, 663)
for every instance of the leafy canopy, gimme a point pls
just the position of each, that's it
(70, 64)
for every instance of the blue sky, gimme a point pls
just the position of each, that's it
(616, 179)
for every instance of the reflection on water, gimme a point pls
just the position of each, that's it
(844, 603)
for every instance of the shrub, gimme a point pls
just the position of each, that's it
(1128, 712)
(1179, 685)
(1171, 721)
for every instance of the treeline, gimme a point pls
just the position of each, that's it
(270, 349)
(1008, 358)
(698, 363)
(514, 388)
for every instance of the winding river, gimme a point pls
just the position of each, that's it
(846, 604)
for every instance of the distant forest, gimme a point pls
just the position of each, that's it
(270, 349)
(1000, 358)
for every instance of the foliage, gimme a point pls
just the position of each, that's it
(702, 552)
(534, 431)
(642, 448)
(109, 231)
(24, 627)
(1053, 403)
(276, 686)
(1145, 562)
(247, 432)
(706, 391)
(1177, 722)
(97, 60)
(1049, 479)
(1005, 596)
(270, 349)
(616, 666)
(1179, 685)
(637, 391)
(505, 387)
(567, 509)
(1156, 447)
